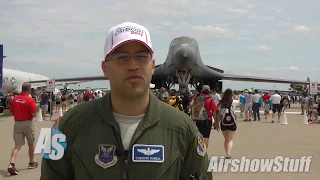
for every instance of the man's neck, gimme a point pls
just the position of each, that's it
(129, 107)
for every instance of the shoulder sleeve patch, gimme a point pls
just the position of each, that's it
(201, 146)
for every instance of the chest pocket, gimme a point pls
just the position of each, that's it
(173, 158)
(94, 156)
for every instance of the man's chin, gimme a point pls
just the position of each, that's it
(136, 91)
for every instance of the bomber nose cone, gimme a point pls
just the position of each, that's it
(184, 56)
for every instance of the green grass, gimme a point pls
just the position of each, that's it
(6, 112)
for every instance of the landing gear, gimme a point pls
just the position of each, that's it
(213, 85)
(183, 76)
(198, 86)
(165, 84)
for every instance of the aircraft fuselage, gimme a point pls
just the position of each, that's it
(184, 65)
(12, 80)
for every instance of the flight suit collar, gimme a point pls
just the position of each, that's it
(152, 116)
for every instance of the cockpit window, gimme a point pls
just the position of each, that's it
(183, 40)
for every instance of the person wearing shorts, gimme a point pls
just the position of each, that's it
(44, 104)
(248, 104)
(205, 126)
(276, 106)
(242, 103)
(266, 109)
(24, 110)
(228, 99)
(316, 111)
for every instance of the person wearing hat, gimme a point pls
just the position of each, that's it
(248, 104)
(128, 133)
(205, 125)
(215, 96)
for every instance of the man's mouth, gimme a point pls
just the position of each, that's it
(134, 77)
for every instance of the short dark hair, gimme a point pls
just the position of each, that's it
(26, 87)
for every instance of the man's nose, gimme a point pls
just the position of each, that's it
(132, 63)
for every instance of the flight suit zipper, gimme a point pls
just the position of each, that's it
(125, 164)
(123, 153)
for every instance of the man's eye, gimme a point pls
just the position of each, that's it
(122, 57)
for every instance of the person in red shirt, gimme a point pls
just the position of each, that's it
(205, 126)
(23, 109)
(266, 103)
(266, 97)
(88, 96)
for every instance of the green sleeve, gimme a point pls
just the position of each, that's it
(196, 161)
(58, 169)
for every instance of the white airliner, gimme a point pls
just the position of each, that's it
(12, 81)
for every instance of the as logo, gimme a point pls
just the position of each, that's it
(51, 144)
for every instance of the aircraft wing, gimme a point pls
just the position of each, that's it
(215, 69)
(260, 79)
(74, 80)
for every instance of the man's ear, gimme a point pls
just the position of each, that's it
(104, 67)
(153, 66)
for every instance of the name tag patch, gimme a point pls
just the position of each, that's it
(148, 153)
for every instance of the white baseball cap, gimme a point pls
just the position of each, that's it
(126, 32)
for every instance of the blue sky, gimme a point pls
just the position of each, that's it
(274, 38)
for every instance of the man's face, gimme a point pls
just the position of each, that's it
(130, 76)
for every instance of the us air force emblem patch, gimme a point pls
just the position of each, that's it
(106, 156)
(201, 147)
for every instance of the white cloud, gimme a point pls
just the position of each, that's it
(272, 36)
(285, 23)
(252, 25)
(291, 68)
(270, 69)
(303, 29)
(277, 9)
(249, 6)
(212, 32)
(63, 33)
(262, 18)
(262, 48)
(167, 23)
(237, 10)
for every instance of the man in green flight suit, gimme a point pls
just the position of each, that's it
(128, 133)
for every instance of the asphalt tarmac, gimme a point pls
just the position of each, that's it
(256, 139)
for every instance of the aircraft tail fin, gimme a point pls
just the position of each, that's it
(1, 64)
